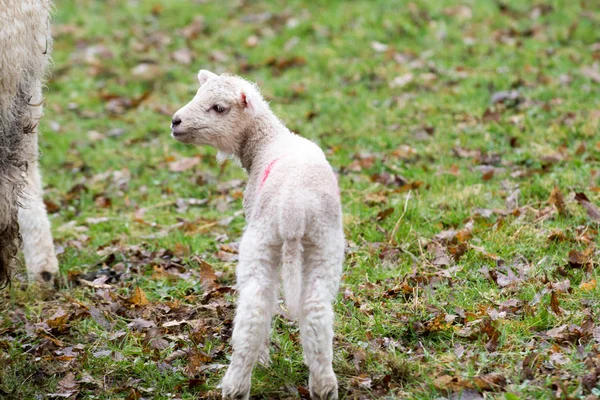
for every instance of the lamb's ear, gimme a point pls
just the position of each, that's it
(204, 75)
(252, 101)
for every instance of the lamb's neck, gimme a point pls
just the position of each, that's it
(256, 138)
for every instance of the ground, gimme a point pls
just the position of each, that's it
(465, 137)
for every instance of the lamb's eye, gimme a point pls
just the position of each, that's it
(218, 108)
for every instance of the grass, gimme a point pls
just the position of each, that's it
(456, 249)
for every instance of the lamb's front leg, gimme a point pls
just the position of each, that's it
(257, 290)
(34, 225)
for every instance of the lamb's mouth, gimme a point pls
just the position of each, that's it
(178, 133)
(183, 135)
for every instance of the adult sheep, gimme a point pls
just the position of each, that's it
(25, 45)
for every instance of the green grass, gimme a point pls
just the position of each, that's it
(408, 319)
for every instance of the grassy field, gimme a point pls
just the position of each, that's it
(466, 139)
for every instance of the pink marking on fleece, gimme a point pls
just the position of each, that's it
(268, 171)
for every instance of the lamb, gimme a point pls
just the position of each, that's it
(24, 56)
(294, 230)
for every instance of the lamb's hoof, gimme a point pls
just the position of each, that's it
(235, 394)
(324, 387)
(235, 388)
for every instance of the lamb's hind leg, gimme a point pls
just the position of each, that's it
(257, 291)
(38, 248)
(320, 283)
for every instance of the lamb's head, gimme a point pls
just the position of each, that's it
(222, 109)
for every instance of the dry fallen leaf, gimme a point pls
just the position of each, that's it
(591, 209)
(493, 335)
(139, 298)
(183, 56)
(588, 286)
(208, 278)
(184, 164)
(58, 320)
(592, 72)
(68, 386)
(558, 201)
(554, 303)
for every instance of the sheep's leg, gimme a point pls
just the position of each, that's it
(319, 286)
(38, 247)
(257, 291)
(40, 257)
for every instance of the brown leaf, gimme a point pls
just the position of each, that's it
(141, 324)
(487, 175)
(51, 206)
(580, 259)
(590, 380)
(591, 209)
(281, 64)
(385, 213)
(68, 382)
(556, 235)
(554, 304)
(490, 382)
(119, 105)
(98, 316)
(487, 382)
(492, 333)
(197, 359)
(67, 387)
(458, 251)
(588, 286)
(139, 298)
(443, 383)
(158, 343)
(490, 115)
(134, 394)
(359, 356)
(184, 164)
(372, 199)
(195, 28)
(464, 235)
(530, 365)
(558, 201)
(441, 256)
(208, 278)
(58, 320)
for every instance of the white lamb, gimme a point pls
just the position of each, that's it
(25, 45)
(294, 227)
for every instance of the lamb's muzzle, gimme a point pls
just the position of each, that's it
(294, 231)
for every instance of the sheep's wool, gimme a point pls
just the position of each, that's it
(25, 46)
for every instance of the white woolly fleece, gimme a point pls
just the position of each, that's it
(294, 229)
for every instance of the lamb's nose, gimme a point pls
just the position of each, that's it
(176, 121)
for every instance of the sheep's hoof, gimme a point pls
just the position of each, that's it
(45, 273)
(46, 279)
(46, 276)
(323, 388)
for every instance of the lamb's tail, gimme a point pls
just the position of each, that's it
(291, 272)
(292, 223)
